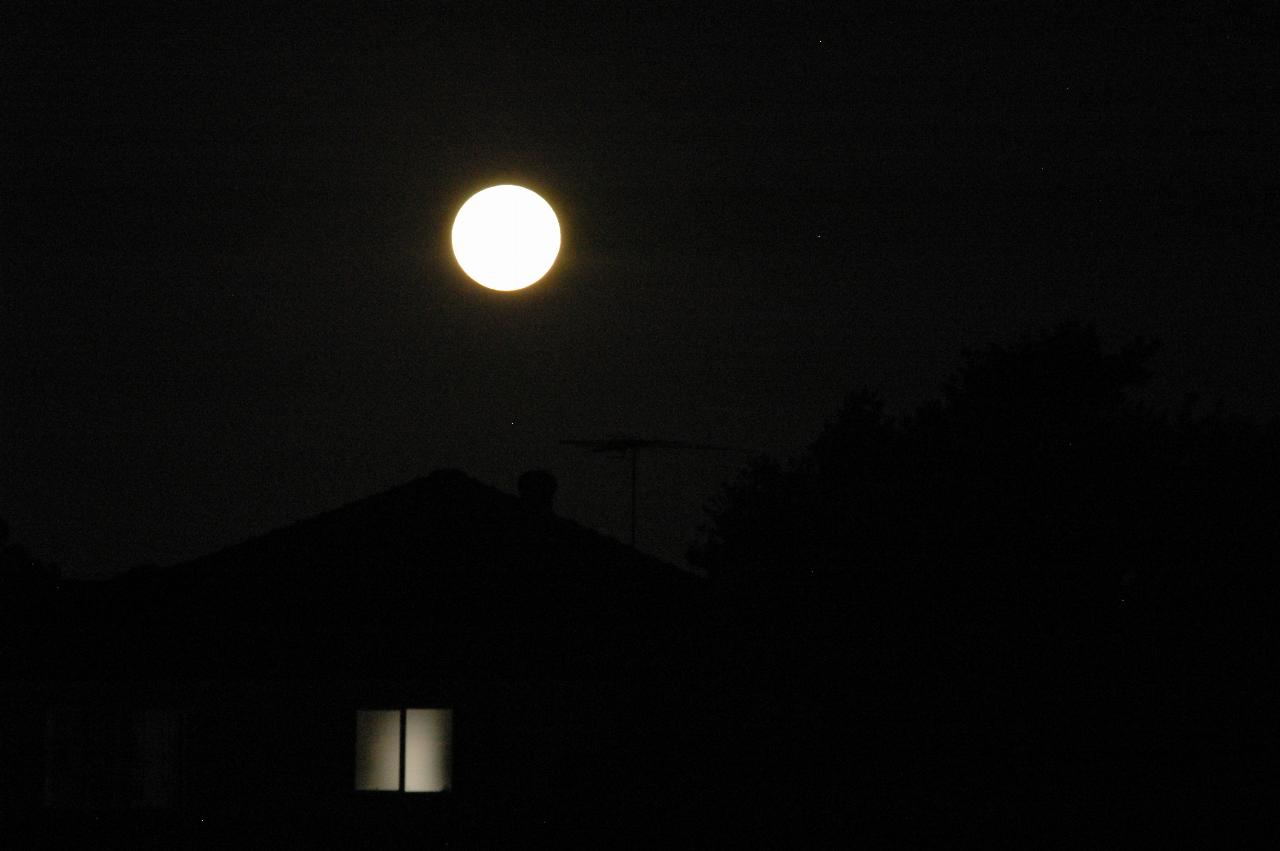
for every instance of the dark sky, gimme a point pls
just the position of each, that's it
(228, 300)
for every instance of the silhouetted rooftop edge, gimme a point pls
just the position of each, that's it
(430, 508)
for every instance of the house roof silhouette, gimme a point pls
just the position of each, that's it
(441, 577)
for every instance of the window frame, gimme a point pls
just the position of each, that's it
(402, 748)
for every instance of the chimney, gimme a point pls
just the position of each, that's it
(537, 490)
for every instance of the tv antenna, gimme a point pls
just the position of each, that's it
(631, 447)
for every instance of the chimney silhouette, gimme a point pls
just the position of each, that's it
(537, 490)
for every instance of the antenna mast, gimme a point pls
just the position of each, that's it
(632, 446)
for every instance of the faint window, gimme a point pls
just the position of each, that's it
(403, 750)
(112, 757)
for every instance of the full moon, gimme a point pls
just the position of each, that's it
(506, 237)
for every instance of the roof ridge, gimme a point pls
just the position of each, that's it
(363, 514)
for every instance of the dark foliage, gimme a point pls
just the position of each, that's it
(1035, 567)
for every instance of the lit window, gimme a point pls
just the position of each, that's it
(403, 750)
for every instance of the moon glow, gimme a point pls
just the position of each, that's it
(506, 237)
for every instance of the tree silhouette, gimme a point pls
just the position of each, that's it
(1034, 559)
(1010, 454)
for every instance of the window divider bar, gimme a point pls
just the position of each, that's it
(402, 745)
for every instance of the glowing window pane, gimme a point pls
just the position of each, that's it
(378, 750)
(427, 735)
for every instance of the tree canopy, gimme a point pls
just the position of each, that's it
(1036, 532)
(1033, 455)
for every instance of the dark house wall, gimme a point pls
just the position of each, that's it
(220, 696)
(264, 758)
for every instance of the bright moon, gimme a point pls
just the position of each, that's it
(506, 237)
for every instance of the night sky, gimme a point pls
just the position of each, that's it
(228, 300)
